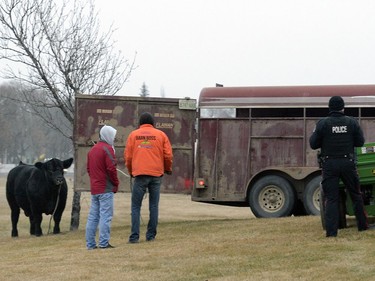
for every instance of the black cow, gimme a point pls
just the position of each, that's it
(36, 189)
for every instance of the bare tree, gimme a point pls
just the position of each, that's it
(58, 48)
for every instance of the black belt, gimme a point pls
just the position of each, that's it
(338, 156)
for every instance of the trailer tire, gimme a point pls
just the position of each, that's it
(272, 197)
(311, 197)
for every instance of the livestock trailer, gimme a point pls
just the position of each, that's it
(253, 145)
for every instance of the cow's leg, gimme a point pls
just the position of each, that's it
(32, 225)
(57, 219)
(37, 224)
(15, 214)
(60, 209)
(56, 228)
(14, 209)
(36, 214)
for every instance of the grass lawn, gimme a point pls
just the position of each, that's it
(195, 241)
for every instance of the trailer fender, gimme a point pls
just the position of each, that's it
(295, 173)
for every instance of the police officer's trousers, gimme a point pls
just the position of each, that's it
(345, 169)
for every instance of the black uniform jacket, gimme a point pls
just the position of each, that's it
(337, 135)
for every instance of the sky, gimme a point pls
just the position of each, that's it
(186, 45)
(183, 46)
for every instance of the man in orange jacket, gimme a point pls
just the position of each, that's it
(148, 155)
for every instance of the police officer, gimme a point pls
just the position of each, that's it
(337, 135)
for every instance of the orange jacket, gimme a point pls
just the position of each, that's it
(148, 152)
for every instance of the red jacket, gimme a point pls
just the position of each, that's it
(148, 152)
(101, 167)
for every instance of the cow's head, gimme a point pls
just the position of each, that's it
(54, 168)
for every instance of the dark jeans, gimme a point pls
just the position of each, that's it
(346, 170)
(140, 185)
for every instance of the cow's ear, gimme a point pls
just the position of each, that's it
(67, 163)
(39, 165)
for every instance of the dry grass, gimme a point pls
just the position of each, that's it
(195, 242)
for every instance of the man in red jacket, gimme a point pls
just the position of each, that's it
(148, 155)
(101, 167)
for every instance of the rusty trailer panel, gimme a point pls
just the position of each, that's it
(176, 117)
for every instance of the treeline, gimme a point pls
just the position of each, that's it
(25, 133)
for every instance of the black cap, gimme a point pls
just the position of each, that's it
(146, 118)
(336, 103)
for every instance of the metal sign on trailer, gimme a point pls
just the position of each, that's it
(176, 117)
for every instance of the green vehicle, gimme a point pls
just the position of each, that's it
(366, 170)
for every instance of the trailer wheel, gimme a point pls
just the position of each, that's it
(311, 197)
(272, 197)
(342, 209)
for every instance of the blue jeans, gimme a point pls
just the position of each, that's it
(140, 185)
(101, 213)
